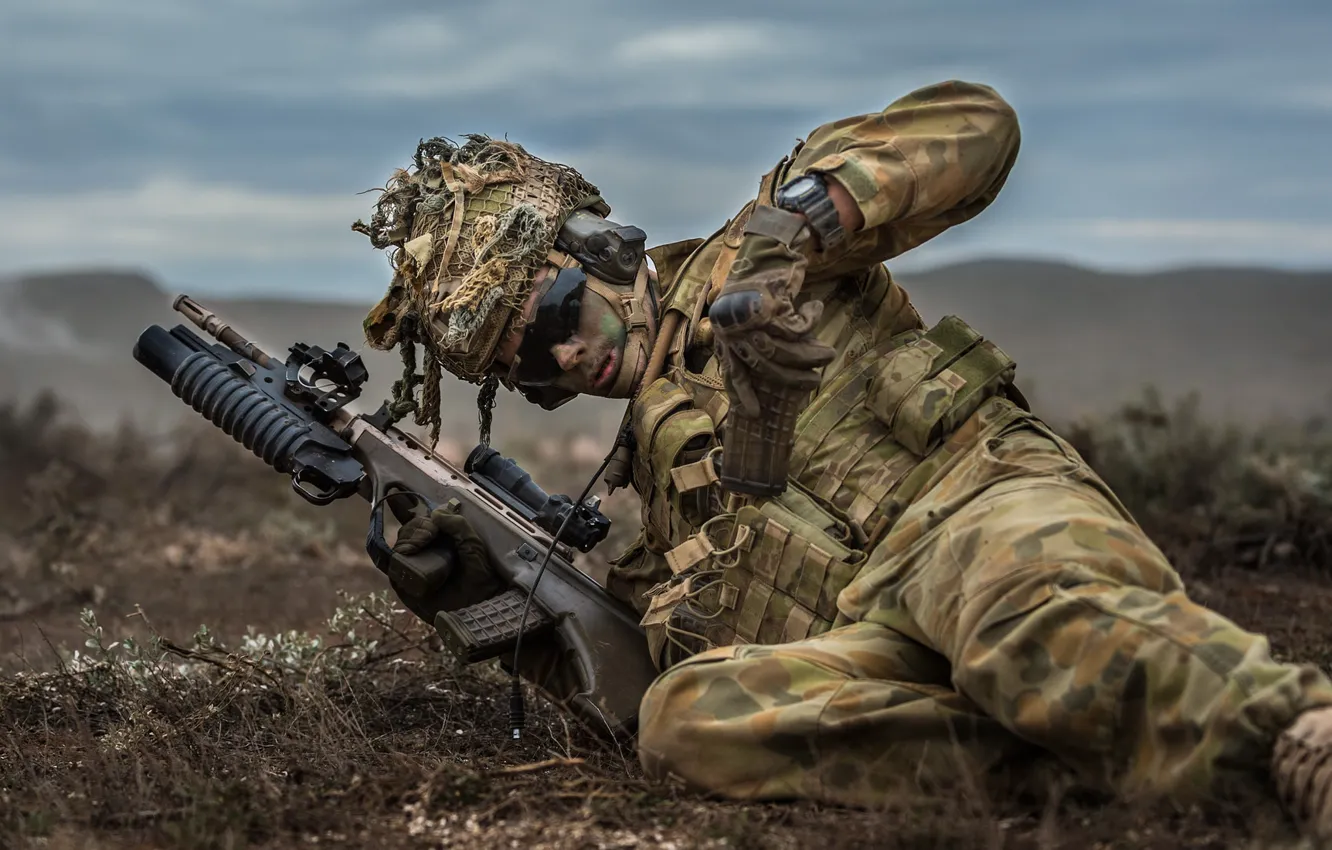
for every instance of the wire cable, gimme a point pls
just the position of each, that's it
(517, 709)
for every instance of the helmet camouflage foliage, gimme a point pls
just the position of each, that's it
(466, 228)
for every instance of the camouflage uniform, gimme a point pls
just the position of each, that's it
(945, 581)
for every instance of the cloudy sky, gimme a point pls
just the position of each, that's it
(221, 145)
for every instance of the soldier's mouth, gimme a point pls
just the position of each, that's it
(607, 371)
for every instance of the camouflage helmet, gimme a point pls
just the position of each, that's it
(467, 227)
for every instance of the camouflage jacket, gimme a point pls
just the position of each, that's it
(877, 430)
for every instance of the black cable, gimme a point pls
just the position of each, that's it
(517, 710)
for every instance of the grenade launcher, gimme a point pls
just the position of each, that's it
(293, 415)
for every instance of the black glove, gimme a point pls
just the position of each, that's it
(443, 524)
(761, 335)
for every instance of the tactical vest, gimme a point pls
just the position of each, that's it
(872, 439)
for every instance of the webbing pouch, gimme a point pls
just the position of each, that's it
(926, 389)
(681, 441)
(670, 433)
(792, 570)
(656, 403)
(636, 571)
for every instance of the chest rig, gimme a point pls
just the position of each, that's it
(896, 406)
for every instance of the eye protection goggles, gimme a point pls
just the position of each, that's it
(554, 318)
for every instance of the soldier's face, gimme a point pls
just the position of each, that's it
(588, 360)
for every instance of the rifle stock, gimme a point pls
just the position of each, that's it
(591, 654)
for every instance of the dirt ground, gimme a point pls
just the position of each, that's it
(249, 734)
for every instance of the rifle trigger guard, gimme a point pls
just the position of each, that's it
(417, 575)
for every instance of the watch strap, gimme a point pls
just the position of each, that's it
(818, 209)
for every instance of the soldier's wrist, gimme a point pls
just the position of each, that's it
(809, 196)
(848, 209)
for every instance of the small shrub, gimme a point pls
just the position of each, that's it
(1212, 495)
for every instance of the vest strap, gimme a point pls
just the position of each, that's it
(695, 476)
(694, 551)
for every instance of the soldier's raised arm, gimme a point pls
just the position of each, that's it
(930, 160)
(859, 191)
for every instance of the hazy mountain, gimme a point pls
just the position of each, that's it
(1249, 340)
(74, 332)
(1252, 342)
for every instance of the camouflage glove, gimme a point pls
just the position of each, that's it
(762, 337)
(422, 532)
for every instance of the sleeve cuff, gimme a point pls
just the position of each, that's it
(882, 191)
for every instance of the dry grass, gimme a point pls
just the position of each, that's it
(335, 720)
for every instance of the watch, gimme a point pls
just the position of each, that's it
(808, 195)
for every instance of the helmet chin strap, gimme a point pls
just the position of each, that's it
(634, 313)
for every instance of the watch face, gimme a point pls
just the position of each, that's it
(800, 187)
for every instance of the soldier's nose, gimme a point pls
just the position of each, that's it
(569, 354)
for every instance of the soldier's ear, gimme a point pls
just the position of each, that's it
(548, 398)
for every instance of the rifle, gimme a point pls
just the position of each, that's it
(294, 416)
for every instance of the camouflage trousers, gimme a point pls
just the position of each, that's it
(1014, 609)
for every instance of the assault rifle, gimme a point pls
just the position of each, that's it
(294, 416)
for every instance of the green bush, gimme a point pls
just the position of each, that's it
(1214, 495)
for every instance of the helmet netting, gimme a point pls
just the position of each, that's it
(466, 228)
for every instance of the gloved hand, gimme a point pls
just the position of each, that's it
(544, 661)
(442, 524)
(761, 335)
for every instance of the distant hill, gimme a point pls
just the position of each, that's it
(74, 332)
(1251, 342)
(1248, 340)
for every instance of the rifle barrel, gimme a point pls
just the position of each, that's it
(211, 324)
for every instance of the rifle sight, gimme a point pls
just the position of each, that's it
(504, 478)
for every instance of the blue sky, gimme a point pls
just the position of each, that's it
(221, 145)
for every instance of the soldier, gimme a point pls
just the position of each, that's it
(937, 577)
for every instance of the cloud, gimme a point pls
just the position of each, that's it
(264, 117)
(669, 200)
(722, 42)
(1313, 97)
(173, 218)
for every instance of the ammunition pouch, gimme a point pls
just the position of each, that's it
(676, 480)
(773, 577)
(673, 437)
(794, 558)
(925, 389)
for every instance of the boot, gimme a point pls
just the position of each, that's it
(1302, 771)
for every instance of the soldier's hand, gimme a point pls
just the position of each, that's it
(442, 527)
(761, 335)
(775, 358)
(764, 276)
